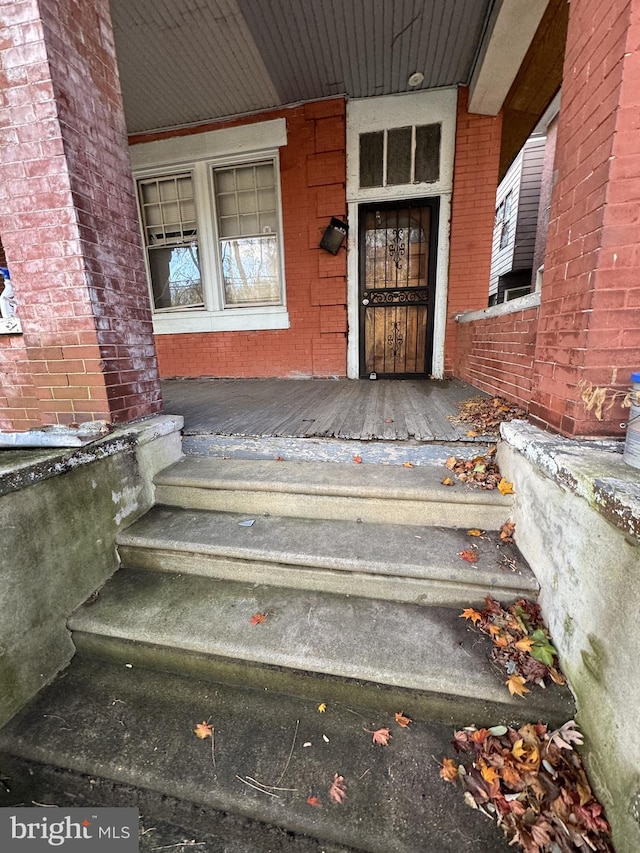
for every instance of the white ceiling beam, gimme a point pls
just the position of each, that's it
(510, 31)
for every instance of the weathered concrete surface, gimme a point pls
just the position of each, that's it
(577, 512)
(392, 562)
(59, 516)
(136, 727)
(406, 649)
(374, 493)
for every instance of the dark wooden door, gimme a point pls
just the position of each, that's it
(397, 288)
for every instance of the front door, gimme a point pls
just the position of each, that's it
(397, 288)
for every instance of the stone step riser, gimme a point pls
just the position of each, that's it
(375, 510)
(446, 708)
(427, 590)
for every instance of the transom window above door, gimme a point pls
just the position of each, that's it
(400, 155)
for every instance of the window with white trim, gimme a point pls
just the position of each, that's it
(212, 230)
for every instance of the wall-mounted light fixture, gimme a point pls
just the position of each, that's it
(334, 235)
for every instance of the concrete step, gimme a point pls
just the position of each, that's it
(356, 650)
(135, 727)
(388, 561)
(372, 493)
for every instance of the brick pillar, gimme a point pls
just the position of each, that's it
(475, 180)
(68, 220)
(589, 327)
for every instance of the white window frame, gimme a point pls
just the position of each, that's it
(200, 154)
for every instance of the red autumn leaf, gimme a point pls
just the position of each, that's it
(402, 721)
(338, 790)
(480, 736)
(258, 618)
(357, 459)
(380, 736)
(314, 801)
(203, 730)
(279, 458)
(469, 556)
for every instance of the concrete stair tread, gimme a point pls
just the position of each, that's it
(347, 546)
(402, 646)
(135, 726)
(421, 483)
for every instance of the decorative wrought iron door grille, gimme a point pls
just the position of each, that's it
(397, 276)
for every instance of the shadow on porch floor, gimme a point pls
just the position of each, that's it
(363, 410)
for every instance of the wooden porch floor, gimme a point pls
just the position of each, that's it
(393, 410)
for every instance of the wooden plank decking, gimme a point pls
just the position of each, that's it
(394, 410)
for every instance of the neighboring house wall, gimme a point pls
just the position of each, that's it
(517, 202)
(311, 339)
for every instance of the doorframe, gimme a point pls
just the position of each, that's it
(441, 285)
(433, 204)
(382, 113)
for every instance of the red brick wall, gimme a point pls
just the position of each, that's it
(312, 167)
(475, 180)
(496, 354)
(590, 311)
(68, 223)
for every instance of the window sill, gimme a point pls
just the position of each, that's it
(231, 320)
(522, 303)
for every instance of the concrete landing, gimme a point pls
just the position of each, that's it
(135, 727)
(363, 650)
(392, 562)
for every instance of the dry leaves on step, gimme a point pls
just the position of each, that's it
(314, 801)
(480, 471)
(322, 707)
(521, 644)
(258, 618)
(203, 730)
(504, 487)
(506, 532)
(475, 532)
(469, 556)
(381, 737)
(533, 784)
(338, 789)
(448, 482)
(402, 721)
(357, 459)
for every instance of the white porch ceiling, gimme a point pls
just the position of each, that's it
(185, 61)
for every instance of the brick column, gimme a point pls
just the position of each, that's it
(475, 180)
(589, 327)
(68, 220)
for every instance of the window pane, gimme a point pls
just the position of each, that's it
(175, 277)
(168, 210)
(251, 271)
(399, 155)
(428, 153)
(371, 155)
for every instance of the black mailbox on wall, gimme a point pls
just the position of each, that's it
(334, 235)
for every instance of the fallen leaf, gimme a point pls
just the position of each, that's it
(388, 420)
(322, 707)
(408, 465)
(480, 735)
(381, 737)
(314, 801)
(504, 487)
(470, 613)
(203, 730)
(357, 459)
(474, 532)
(471, 433)
(258, 618)
(338, 790)
(451, 463)
(469, 556)
(449, 770)
(401, 720)
(524, 645)
(501, 641)
(516, 685)
(566, 735)
(279, 458)
(448, 482)
(507, 530)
